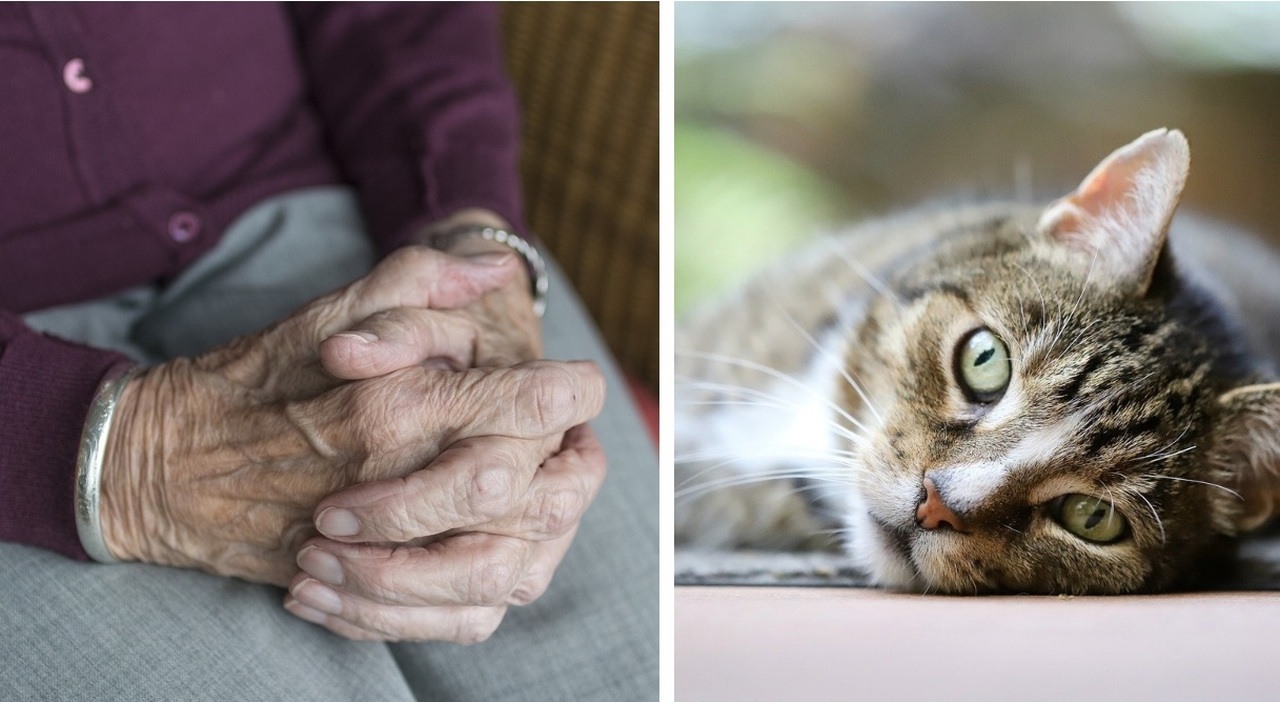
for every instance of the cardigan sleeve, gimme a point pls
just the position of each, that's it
(417, 109)
(46, 386)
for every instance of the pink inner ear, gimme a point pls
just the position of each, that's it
(1115, 182)
(1119, 214)
(1089, 189)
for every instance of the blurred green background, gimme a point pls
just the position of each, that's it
(793, 118)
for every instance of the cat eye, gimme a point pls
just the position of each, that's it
(982, 366)
(1090, 518)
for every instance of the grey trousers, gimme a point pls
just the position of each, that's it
(73, 630)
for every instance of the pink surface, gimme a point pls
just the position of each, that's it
(855, 644)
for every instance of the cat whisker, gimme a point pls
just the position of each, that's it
(1085, 287)
(1154, 514)
(835, 456)
(835, 363)
(842, 466)
(1167, 446)
(1192, 480)
(856, 266)
(1082, 332)
(750, 479)
(1156, 458)
(704, 483)
(737, 395)
(779, 375)
(1026, 321)
(771, 402)
(1044, 305)
(1039, 291)
(1111, 495)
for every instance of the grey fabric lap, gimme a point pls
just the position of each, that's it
(78, 630)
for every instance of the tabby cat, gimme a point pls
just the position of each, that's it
(1071, 398)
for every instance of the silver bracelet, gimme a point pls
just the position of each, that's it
(93, 443)
(532, 259)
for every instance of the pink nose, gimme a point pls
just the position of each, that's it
(933, 512)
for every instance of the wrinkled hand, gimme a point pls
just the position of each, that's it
(470, 535)
(440, 553)
(499, 328)
(217, 462)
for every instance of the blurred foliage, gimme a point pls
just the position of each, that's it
(753, 204)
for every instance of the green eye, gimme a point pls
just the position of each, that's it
(983, 367)
(1091, 518)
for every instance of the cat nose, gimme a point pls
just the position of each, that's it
(934, 513)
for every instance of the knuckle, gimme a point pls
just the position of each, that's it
(549, 396)
(374, 409)
(364, 399)
(558, 511)
(492, 582)
(345, 354)
(477, 625)
(387, 323)
(488, 492)
(529, 591)
(375, 578)
(406, 257)
(413, 507)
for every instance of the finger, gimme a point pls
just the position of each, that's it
(537, 578)
(363, 620)
(412, 276)
(474, 481)
(468, 569)
(492, 484)
(399, 338)
(531, 400)
(559, 493)
(417, 276)
(415, 413)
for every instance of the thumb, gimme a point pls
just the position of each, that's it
(399, 338)
(416, 276)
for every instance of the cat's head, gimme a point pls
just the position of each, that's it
(1054, 407)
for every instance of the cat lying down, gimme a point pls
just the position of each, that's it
(996, 398)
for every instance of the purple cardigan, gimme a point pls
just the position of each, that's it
(131, 135)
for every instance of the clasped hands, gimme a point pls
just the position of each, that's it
(390, 453)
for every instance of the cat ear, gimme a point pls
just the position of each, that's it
(1247, 453)
(1119, 216)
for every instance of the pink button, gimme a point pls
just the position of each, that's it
(75, 77)
(183, 227)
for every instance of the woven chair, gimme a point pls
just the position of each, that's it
(587, 77)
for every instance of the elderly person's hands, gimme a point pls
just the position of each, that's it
(218, 462)
(469, 536)
(481, 528)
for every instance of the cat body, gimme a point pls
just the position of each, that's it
(1067, 398)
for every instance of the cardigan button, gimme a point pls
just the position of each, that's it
(75, 77)
(183, 227)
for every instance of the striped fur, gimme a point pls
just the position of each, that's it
(812, 401)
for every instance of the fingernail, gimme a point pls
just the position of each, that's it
(318, 596)
(361, 336)
(320, 564)
(489, 258)
(335, 521)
